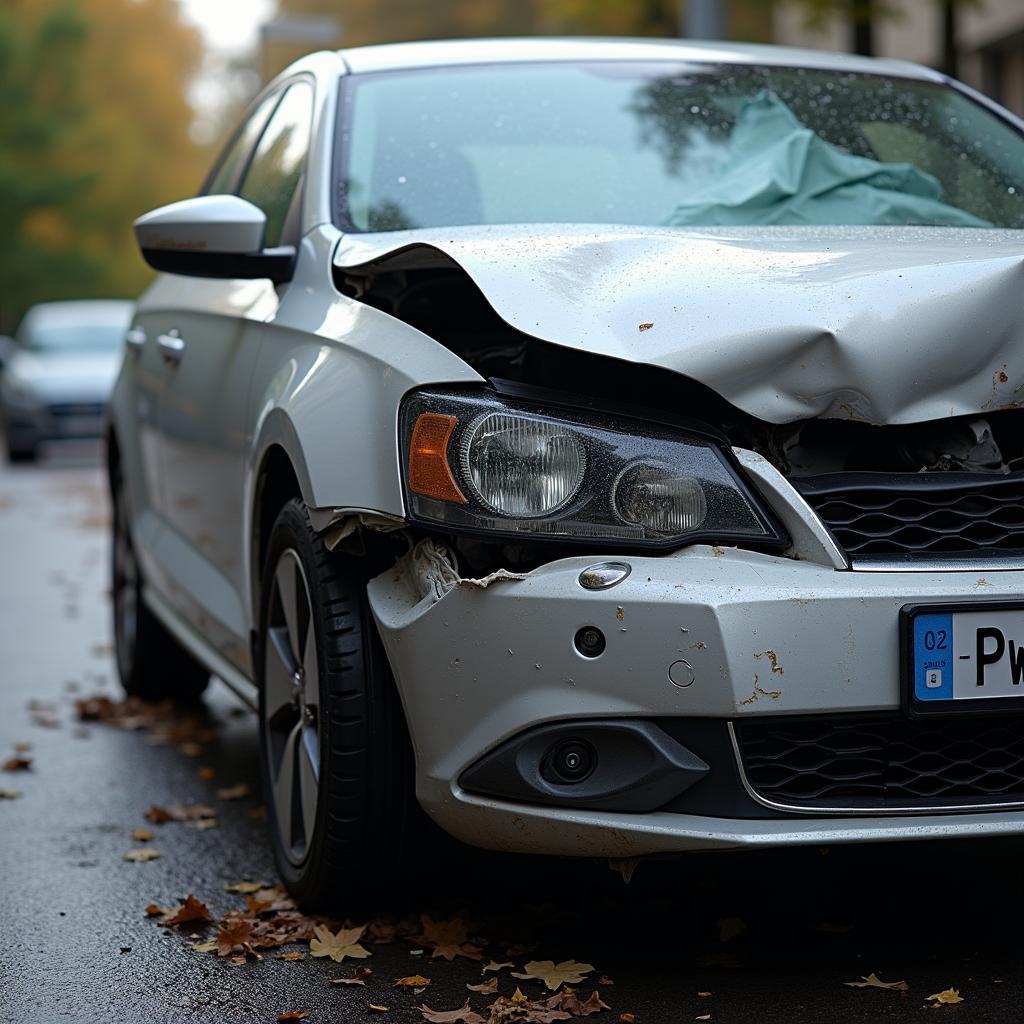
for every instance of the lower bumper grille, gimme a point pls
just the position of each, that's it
(884, 763)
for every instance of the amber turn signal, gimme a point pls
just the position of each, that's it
(429, 472)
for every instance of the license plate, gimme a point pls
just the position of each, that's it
(966, 658)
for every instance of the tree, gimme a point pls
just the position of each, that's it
(94, 130)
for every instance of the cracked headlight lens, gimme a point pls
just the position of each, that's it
(522, 467)
(475, 461)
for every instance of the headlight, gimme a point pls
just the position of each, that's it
(478, 462)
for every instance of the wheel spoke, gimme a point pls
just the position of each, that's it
(309, 771)
(285, 783)
(280, 672)
(293, 604)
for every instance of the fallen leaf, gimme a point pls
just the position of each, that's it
(245, 887)
(627, 1018)
(946, 997)
(22, 748)
(489, 986)
(233, 792)
(703, 995)
(191, 910)
(284, 1018)
(157, 815)
(153, 910)
(202, 823)
(232, 934)
(463, 1015)
(374, 1008)
(873, 981)
(205, 772)
(142, 835)
(10, 794)
(447, 939)
(730, 928)
(292, 954)
(703, 1016)
(190, 749)
(568, 1001)
(338, 946)
(359, 976)
(141, 855)
(413, 981)
(553, 975)
(491, 965)
(17, 764)
(204, 947)
(604, 980)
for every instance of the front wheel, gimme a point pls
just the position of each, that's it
(337, 761)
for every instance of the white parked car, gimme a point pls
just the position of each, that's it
(58, 372)
(610, 448)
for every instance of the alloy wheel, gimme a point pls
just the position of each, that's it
(291, 707)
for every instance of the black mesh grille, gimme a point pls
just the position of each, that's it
(883, 762)
(922, 515)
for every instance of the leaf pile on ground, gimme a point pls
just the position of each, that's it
(518, 1009)
(166, 723)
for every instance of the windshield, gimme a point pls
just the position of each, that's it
(664, 144)
(78, 338)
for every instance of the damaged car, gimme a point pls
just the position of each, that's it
(592, 448)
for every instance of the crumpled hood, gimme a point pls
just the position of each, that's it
(883, 325)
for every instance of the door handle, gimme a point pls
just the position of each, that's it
(172, 347)
(135, 339)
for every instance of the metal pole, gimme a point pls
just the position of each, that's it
(704, 19)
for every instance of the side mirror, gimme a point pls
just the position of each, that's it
(212, 236)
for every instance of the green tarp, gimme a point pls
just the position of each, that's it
(780, 172)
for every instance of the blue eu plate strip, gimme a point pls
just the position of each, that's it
(933, 657)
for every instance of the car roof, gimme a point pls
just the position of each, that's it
(455, 52)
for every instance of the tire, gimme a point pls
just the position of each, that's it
(338, 766)
(150, 661)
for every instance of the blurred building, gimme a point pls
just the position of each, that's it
(989, 40)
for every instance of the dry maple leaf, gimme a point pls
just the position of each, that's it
(492, 965)
(190, 911)
(946, 997)
(142, 835)
(627, 1018)
(568, 972)
(873, 981)
(490, 986)
(17, 764)
(158, 815)
(447, 939)
(413, 981)
(232, 933)
(359, 976)
(463, 1015)
(568, 1000)
(233, 792)
(245, 887)
(141, 855)
(284, 1018)
(338, 946)
(292, 954)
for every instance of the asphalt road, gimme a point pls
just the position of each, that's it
(766, 937)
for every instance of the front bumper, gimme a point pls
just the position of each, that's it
(762, 636)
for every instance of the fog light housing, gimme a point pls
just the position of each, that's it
(569, 762)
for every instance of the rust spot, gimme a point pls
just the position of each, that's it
(774, 659)
(759, 691)
(1002, 377)
(619, 613)
(717, 551)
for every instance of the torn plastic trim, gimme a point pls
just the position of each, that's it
(338, 525)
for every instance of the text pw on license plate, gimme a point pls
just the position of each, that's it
(966, 656)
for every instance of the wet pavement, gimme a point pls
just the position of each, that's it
(761, 937)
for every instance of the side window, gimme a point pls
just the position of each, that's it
(232, 162)
(280, 158)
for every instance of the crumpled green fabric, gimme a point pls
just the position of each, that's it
(781, 172)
